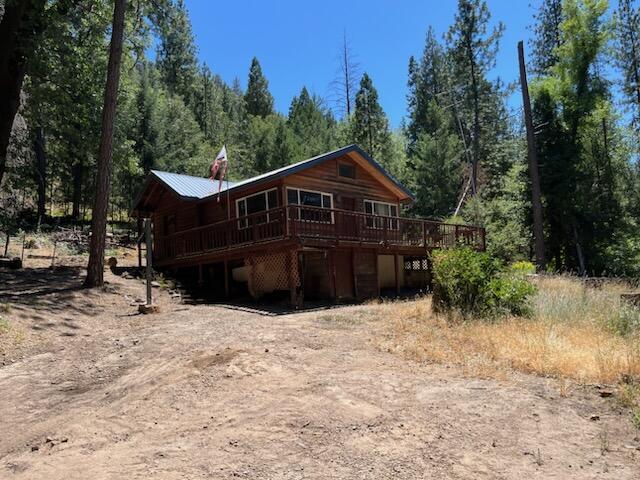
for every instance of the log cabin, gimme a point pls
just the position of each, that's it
(329, 227)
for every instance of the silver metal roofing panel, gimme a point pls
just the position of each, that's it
(192, 187)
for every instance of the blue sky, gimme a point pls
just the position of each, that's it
(297, 42)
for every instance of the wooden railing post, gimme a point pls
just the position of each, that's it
(384, 230)
(424, 234)
(254, 229)
(286, 219)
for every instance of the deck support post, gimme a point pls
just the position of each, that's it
(332, 275)
(377, 274)
(353, 272)
(200, 276)
(396, 262)
(301, 271)
(149, 252)
(290, 265)
(226, 278)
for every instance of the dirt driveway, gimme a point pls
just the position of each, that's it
(212, 392)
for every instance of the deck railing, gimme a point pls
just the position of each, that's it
(304, 222)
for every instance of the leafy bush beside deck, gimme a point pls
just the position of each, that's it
(474, 283)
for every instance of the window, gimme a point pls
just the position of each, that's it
(383, 210)
(310, 198)
(256, 203)
(347, 170)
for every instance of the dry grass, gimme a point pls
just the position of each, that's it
(575, 334)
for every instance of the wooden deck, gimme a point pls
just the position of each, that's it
(312, 226)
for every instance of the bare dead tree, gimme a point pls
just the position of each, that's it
(345, 85)
(95, 268)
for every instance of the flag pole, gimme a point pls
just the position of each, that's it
(228, 202)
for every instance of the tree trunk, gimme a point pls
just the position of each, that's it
(20, 28)
(41, 173)
(95, 268)
(536, 202)
(476, 122)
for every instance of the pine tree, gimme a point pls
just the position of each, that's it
(427, 86)
(370, 126)
(147, 128)
(473, 53)
(627, 55)
(547, 36)
(258, 100)
(436, 164)
(176, 56)
(285, 150)
(311, 123)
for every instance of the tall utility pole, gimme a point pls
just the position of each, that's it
(536, 202)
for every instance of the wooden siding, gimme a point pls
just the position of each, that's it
(366, 273)
(343, 273)
(347, 193)
(325, 178)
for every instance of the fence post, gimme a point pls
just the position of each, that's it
(139, 222)
(149, 269)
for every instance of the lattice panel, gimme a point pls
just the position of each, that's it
(271, 272)
(416, 264)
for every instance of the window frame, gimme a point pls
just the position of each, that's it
(244, 222)
(371, 223)
(349, 165)
(298, 190)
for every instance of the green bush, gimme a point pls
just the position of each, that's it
(474, 283)
(523, 267)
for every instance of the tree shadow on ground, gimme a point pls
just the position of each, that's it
(36, 293)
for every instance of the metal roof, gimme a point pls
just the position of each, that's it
(197, 188)
(190, 187)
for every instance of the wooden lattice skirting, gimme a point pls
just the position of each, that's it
(273, 271)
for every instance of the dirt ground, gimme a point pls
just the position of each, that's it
(91, 389)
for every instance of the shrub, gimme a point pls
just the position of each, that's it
(523, 267)
(474, 283)
(510, 293)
